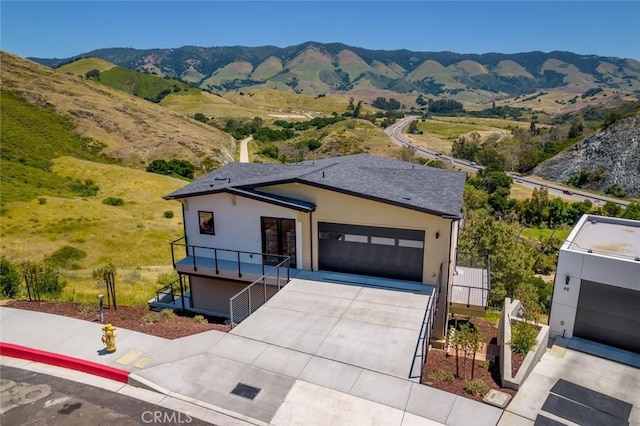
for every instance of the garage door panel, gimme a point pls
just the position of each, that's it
(368, 250)
(608, 315)
(607, 298)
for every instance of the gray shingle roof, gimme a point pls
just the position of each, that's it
(395, 182)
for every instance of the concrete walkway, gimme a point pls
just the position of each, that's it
(597, 373)
(310, 368)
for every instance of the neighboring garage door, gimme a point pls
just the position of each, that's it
(371, 250)
(609, 315)
(211, 295)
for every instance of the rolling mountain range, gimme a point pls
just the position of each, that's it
(316, 68)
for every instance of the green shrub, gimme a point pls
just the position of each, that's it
(151, 318)
(168, 313)
(523, 337)
(113, 201)
(485, 364)
(66, 257)
(88, 188)
(168, 214)
(42, 200)
(476, 387)
(42, 279)
(200, 319)
(440, 376)
(9, 279)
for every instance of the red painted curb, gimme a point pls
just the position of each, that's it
(22, 352)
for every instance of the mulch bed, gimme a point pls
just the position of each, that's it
(516, 361)
(439, 360)
(142, 320)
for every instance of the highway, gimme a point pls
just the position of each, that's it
(395, 133)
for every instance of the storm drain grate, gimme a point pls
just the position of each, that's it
(245, 391)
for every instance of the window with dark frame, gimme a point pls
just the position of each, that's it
(206, 223)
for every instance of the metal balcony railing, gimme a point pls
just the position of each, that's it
(471, 284)
(215, 258)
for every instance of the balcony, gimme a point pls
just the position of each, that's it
(230, 264)
(471, 284)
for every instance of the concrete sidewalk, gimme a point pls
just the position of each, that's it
(295, 387)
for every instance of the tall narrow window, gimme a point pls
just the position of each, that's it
(206, 223)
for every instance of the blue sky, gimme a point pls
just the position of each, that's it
(63, 29)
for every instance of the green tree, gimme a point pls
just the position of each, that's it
(611, 209)
(201, 117)
(558, 212)
(413, 127)
(512, 257)
(93, 74)
(357, 110)
(9, 279)
(632, 211)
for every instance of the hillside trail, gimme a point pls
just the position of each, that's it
(244, 149)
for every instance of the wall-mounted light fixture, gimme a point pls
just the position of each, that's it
(437, 234)
(567, 279)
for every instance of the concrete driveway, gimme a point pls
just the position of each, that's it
(618, 382)
(323, 353)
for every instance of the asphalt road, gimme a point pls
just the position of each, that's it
(28, 398)
(571, 194)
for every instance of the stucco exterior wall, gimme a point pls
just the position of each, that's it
(579, 266)
(342, 208)
(237, 224)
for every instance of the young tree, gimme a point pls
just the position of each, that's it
(41, 280)
(107, 276)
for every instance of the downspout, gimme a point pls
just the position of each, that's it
(449, 278)
(311, 237)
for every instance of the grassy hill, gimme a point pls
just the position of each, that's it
(31, 138)
(84, 65)
(132, 130)
(134, 237)
(315, 68)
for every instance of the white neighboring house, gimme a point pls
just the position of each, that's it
(361, 215)
(596, 293)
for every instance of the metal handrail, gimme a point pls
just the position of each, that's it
(166, 290)
(425, 330)
(261, 280)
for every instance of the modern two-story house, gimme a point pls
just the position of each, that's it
(360, 215)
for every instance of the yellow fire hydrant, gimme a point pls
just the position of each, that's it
(109, 337)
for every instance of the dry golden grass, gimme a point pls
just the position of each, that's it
(134, 285)
(519, 192)
(82, 66)
(280, 102)
(134, 130)
(132, 235)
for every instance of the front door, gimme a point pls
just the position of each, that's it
(278, 239)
